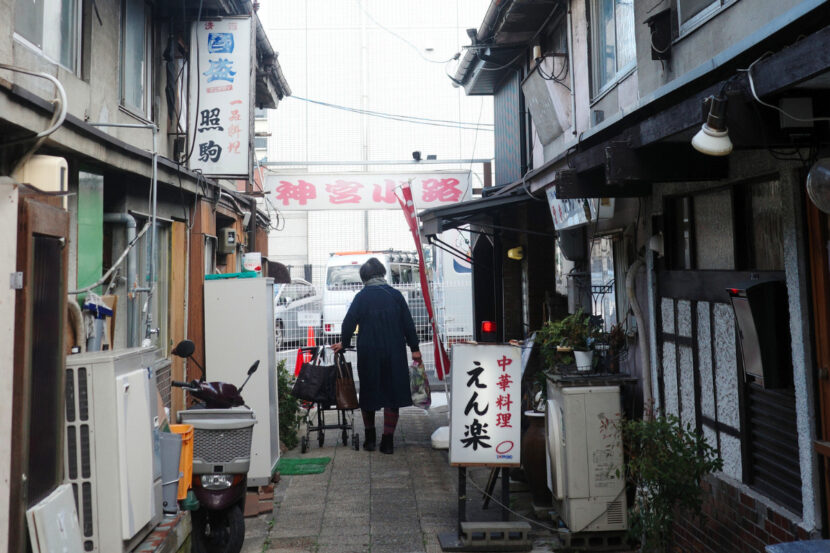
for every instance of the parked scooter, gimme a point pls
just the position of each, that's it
(222, 427)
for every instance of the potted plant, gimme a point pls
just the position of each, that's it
(569, 341)
(665, 462)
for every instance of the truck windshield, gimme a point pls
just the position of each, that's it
(343, 277)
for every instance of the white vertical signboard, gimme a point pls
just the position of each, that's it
(220, 97)
(485, 427)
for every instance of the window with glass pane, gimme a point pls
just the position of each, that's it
(612, 33)
(260, 142)
(52, 26)
(688, 9)
(134, 69)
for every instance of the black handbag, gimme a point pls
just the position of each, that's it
(315, 382)
(345, 394)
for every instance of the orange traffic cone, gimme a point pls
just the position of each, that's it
(310, 337)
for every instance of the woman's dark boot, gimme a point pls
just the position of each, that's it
(386, 444)
(369, 442)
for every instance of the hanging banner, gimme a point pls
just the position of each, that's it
(485, 405)
(316, 191)
(221, 94)
(442, 360)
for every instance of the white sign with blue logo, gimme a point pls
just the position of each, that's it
(221, 97)
(485, 406)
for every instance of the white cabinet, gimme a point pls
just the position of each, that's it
(584, 455)
(239, 330)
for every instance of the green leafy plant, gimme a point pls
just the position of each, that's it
(289, 407)
(575, 332)
(664, 462)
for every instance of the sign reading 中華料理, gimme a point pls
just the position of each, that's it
(485, 422)
(220, 97)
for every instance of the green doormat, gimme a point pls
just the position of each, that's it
(314, 465)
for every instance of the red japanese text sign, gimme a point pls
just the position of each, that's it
(317, 191)
(485, 406)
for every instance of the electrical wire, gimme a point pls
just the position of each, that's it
(401, 38)
(748, 71)
(115, 265)
(198, 86)
(403, 118)
(499, 68)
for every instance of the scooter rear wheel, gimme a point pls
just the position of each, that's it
(218, 531)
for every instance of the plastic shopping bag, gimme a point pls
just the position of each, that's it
(419, 385)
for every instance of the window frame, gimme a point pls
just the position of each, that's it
(77, 57)
(597, 90)
(713, 9)
(145, 111)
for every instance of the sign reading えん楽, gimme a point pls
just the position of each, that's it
(485, 427)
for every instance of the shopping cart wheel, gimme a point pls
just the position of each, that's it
(321, 438)
(304, 444)
(356, 442)
(345, 436)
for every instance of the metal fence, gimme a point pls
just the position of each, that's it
(308, 314)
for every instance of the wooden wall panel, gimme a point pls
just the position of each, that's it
(178, 285)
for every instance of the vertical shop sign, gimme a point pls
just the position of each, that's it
(485, 425)
(220, 97)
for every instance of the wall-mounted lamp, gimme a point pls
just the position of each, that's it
(516, 253)
(818, 184)
(537, 52)
(713, 137)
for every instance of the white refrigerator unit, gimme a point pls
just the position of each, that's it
(239, 330)
(584, 454)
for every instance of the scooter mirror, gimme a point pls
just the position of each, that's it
(185, 348)
(253, 368)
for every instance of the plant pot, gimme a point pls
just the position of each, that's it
(584, 360)
(533, 458)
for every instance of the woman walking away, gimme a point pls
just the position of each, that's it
(386, 328)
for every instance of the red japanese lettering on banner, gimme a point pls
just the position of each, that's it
(504, 402)
(504, 362)
(503, 420)
(384, 194)
(301, 192)
(234, 130)
(504, 382)
(209, 25)
(344, 192)
(233, 147)
(235, 116)
(441, 190)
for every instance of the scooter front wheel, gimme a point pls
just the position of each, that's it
(218, 531)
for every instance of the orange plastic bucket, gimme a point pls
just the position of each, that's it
(186, 459)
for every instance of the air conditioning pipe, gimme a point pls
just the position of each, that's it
(132, 274)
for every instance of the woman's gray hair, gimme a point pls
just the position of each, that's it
(371, 269)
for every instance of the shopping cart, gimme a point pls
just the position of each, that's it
(317, 410)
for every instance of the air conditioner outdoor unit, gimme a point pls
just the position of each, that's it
(583, 457)
(112, 447)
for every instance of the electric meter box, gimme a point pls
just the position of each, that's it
(763, 323)
(227, 241)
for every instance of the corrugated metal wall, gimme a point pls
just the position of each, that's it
(508, 137)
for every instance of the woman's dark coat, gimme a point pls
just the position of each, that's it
(386, 327)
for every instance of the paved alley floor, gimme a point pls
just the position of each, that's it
(372, 502)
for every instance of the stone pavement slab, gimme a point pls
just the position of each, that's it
(375, 503)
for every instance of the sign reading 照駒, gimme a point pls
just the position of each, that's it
(300, 192)
(220, 97)
(485, 422)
